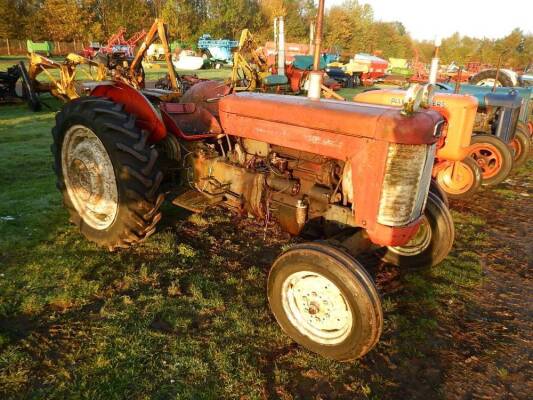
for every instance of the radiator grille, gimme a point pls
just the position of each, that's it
(406, 183)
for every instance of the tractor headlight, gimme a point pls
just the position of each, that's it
(406, 183)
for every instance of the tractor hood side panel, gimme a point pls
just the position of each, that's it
(359, 134)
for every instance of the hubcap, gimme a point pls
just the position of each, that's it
(418, 243)
(89, 177)
(487, 157)
(316, 307)
(456, 179)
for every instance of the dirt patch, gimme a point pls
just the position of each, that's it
(491, 357)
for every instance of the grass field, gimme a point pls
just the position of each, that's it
(185, 316)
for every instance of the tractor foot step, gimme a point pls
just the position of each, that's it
(196, 201)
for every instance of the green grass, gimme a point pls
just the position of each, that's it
(184, 315)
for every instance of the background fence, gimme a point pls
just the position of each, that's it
(16, 47)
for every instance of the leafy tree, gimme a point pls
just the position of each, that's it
(62, 20)
(134, 15)
(349, 25)
(228, 17)
(8, 14)
(184, 18)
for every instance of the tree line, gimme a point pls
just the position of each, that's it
(349, 27)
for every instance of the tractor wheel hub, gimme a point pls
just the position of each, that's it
(89, 177)
(316, 307)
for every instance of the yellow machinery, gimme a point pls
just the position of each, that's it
(457, 174)
(249, 65)
(64, 86)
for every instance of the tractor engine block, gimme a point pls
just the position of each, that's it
(271, 182)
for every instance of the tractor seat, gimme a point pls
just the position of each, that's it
(275, 80)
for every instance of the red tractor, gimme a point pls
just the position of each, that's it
(365, 170)
(359, 172)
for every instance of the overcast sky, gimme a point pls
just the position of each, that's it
(479, 18)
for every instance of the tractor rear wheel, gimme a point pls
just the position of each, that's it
(520, 145)
(493, 157)
(326, 301)
(107, 173)
(431, 244)
(460, 179)
(488, 76)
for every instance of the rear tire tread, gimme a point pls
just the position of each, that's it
(135, 164)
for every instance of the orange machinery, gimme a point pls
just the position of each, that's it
(456, 173)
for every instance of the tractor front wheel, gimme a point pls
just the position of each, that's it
(493, 157)
(460, 179)
(106, 172)
(435, 188)
(520, 145)
(326, 301)
(431, 244)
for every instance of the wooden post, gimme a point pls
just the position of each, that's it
(8, 50)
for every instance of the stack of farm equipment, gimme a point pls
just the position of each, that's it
(218, 51)
(117, 43)
(483, 126)
(65, 85)
(62, 78)
(504, 113)
(253, 71)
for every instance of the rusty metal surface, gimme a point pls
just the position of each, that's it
(207, 94)
(192, 119)
(325, 118)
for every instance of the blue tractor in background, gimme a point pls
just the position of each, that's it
(504, 113)
(219, 51)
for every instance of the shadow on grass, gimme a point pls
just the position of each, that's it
(186, 314)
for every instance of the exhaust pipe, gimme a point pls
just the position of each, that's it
(315, 77)
(434, 70)
(281, 46)
(311, 39)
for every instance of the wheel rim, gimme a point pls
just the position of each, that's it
(488, 82)
(456, 179)
(89, 177)
(418, 243)
(488, 158)
(316, 307)
(516, 147)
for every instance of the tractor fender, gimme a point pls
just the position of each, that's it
(511, 74)
(135, 103)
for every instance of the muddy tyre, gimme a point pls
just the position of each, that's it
(520, 146)
(326, 301)
(431, 244)
(462, 182)
(107, 173)
(439, 192)
(488, 76)
(493, 156)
